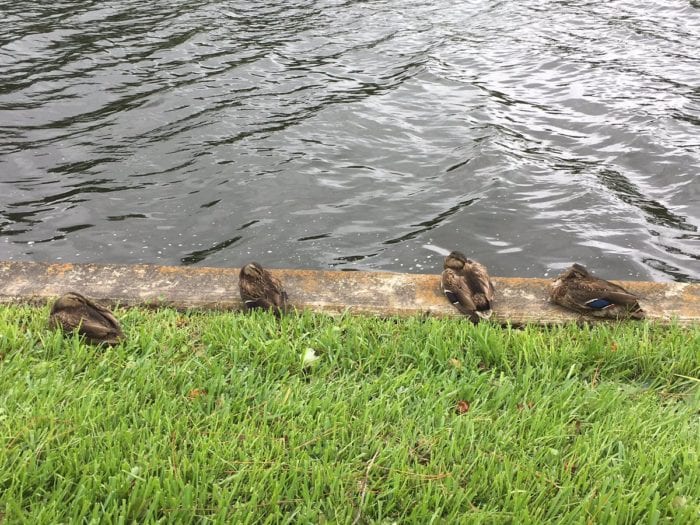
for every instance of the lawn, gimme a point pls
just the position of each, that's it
(214, 416)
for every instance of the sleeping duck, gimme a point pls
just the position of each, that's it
(578, 290)
(259, 289)
(73, 311)
(468, 287)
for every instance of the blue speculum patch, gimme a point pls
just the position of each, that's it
(598, 304)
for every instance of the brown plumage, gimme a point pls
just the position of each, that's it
(259, 289)
(73, 311)
(467, 285)
(577, 289)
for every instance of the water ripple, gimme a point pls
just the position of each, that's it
(348, 134)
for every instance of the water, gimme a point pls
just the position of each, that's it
(353, 135)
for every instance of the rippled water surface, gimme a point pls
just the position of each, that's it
(353, 135)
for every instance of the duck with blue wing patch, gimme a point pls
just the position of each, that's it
(467, 285)
(576, 289)
(259, 289)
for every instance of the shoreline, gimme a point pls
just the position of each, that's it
(518, 300)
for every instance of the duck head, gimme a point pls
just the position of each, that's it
(253, 271)
(455, 261)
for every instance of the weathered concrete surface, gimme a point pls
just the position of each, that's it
(517, 300)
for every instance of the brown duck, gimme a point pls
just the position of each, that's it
(578, 290)
(73, 311)
(259, 289)
(467, 285)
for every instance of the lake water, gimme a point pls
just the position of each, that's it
(353, 134)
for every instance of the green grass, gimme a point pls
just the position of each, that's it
(204, 417)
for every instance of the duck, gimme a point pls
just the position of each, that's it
(577, 289)
(467, 285)
(73, 311)
(259, 289)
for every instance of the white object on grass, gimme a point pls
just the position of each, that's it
(309, 357)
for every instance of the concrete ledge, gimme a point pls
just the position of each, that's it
(518, 301)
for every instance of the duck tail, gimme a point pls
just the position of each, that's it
(637, 313)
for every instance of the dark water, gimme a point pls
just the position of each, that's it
(353, 135)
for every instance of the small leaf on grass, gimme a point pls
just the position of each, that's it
(196, 392)
(570, 468)
(456, 363)
(462, 407)
(309, 357)
(679, 502)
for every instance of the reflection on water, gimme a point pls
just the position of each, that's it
(353, 135)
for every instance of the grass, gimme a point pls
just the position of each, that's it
(203, 417)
